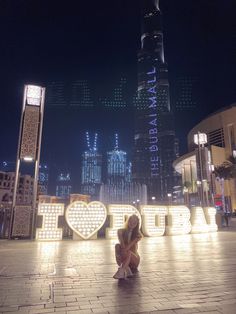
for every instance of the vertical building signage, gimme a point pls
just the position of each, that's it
(152, 122)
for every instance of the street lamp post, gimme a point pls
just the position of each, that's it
(186, 196)
(200, 139)
(213, 192)
(199, 191)
(169, 195)
(29, 146)
(153, 199)
(138, 204)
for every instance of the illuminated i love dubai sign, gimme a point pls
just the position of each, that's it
(87, 219)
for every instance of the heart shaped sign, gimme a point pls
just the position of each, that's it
(86, 219)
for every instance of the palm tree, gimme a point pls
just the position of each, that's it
(232, 160)
(225, 171)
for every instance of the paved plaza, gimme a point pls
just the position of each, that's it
(178, 274)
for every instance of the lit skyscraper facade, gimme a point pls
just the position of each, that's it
(128, 193)
(43, 179)
(63, 187)
(116, 165)
(154, 149)
(91, 169)
(119, 187)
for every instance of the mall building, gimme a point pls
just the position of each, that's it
(199, 180)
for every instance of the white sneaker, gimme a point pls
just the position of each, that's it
(120, 274)
(129, 272)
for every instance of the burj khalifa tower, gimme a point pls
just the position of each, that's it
(154, 140)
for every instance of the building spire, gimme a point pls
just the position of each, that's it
(151, 28)
(94, 148)
(149, 6)
(88, 140)
(157, 4)
(116, 141)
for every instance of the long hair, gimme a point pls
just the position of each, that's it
(135, 232)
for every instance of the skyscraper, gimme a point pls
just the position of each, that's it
(91, 169)
(43, 179)
(63, 187)
(154, 149)
(119, 187)
(116, 165)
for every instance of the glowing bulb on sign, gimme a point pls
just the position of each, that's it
(86, 219)
(118, 215)
(210, 214)
(178, 220)
(198, 220)
(153, 220)
(50, 213)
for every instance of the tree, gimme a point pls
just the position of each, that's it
(225, 171)
(232, 160)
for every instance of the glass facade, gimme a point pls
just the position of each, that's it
(64, 187)
(91, 176)
(43, 179)
(116, 166)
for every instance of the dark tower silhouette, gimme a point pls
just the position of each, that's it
(155, 143)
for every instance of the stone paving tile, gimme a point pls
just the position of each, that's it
(178, 275)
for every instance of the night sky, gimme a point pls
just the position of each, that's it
(44, 40)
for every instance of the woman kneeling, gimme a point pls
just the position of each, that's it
(127, 250)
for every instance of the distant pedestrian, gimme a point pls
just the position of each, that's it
(126, 251)
(227, 217)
